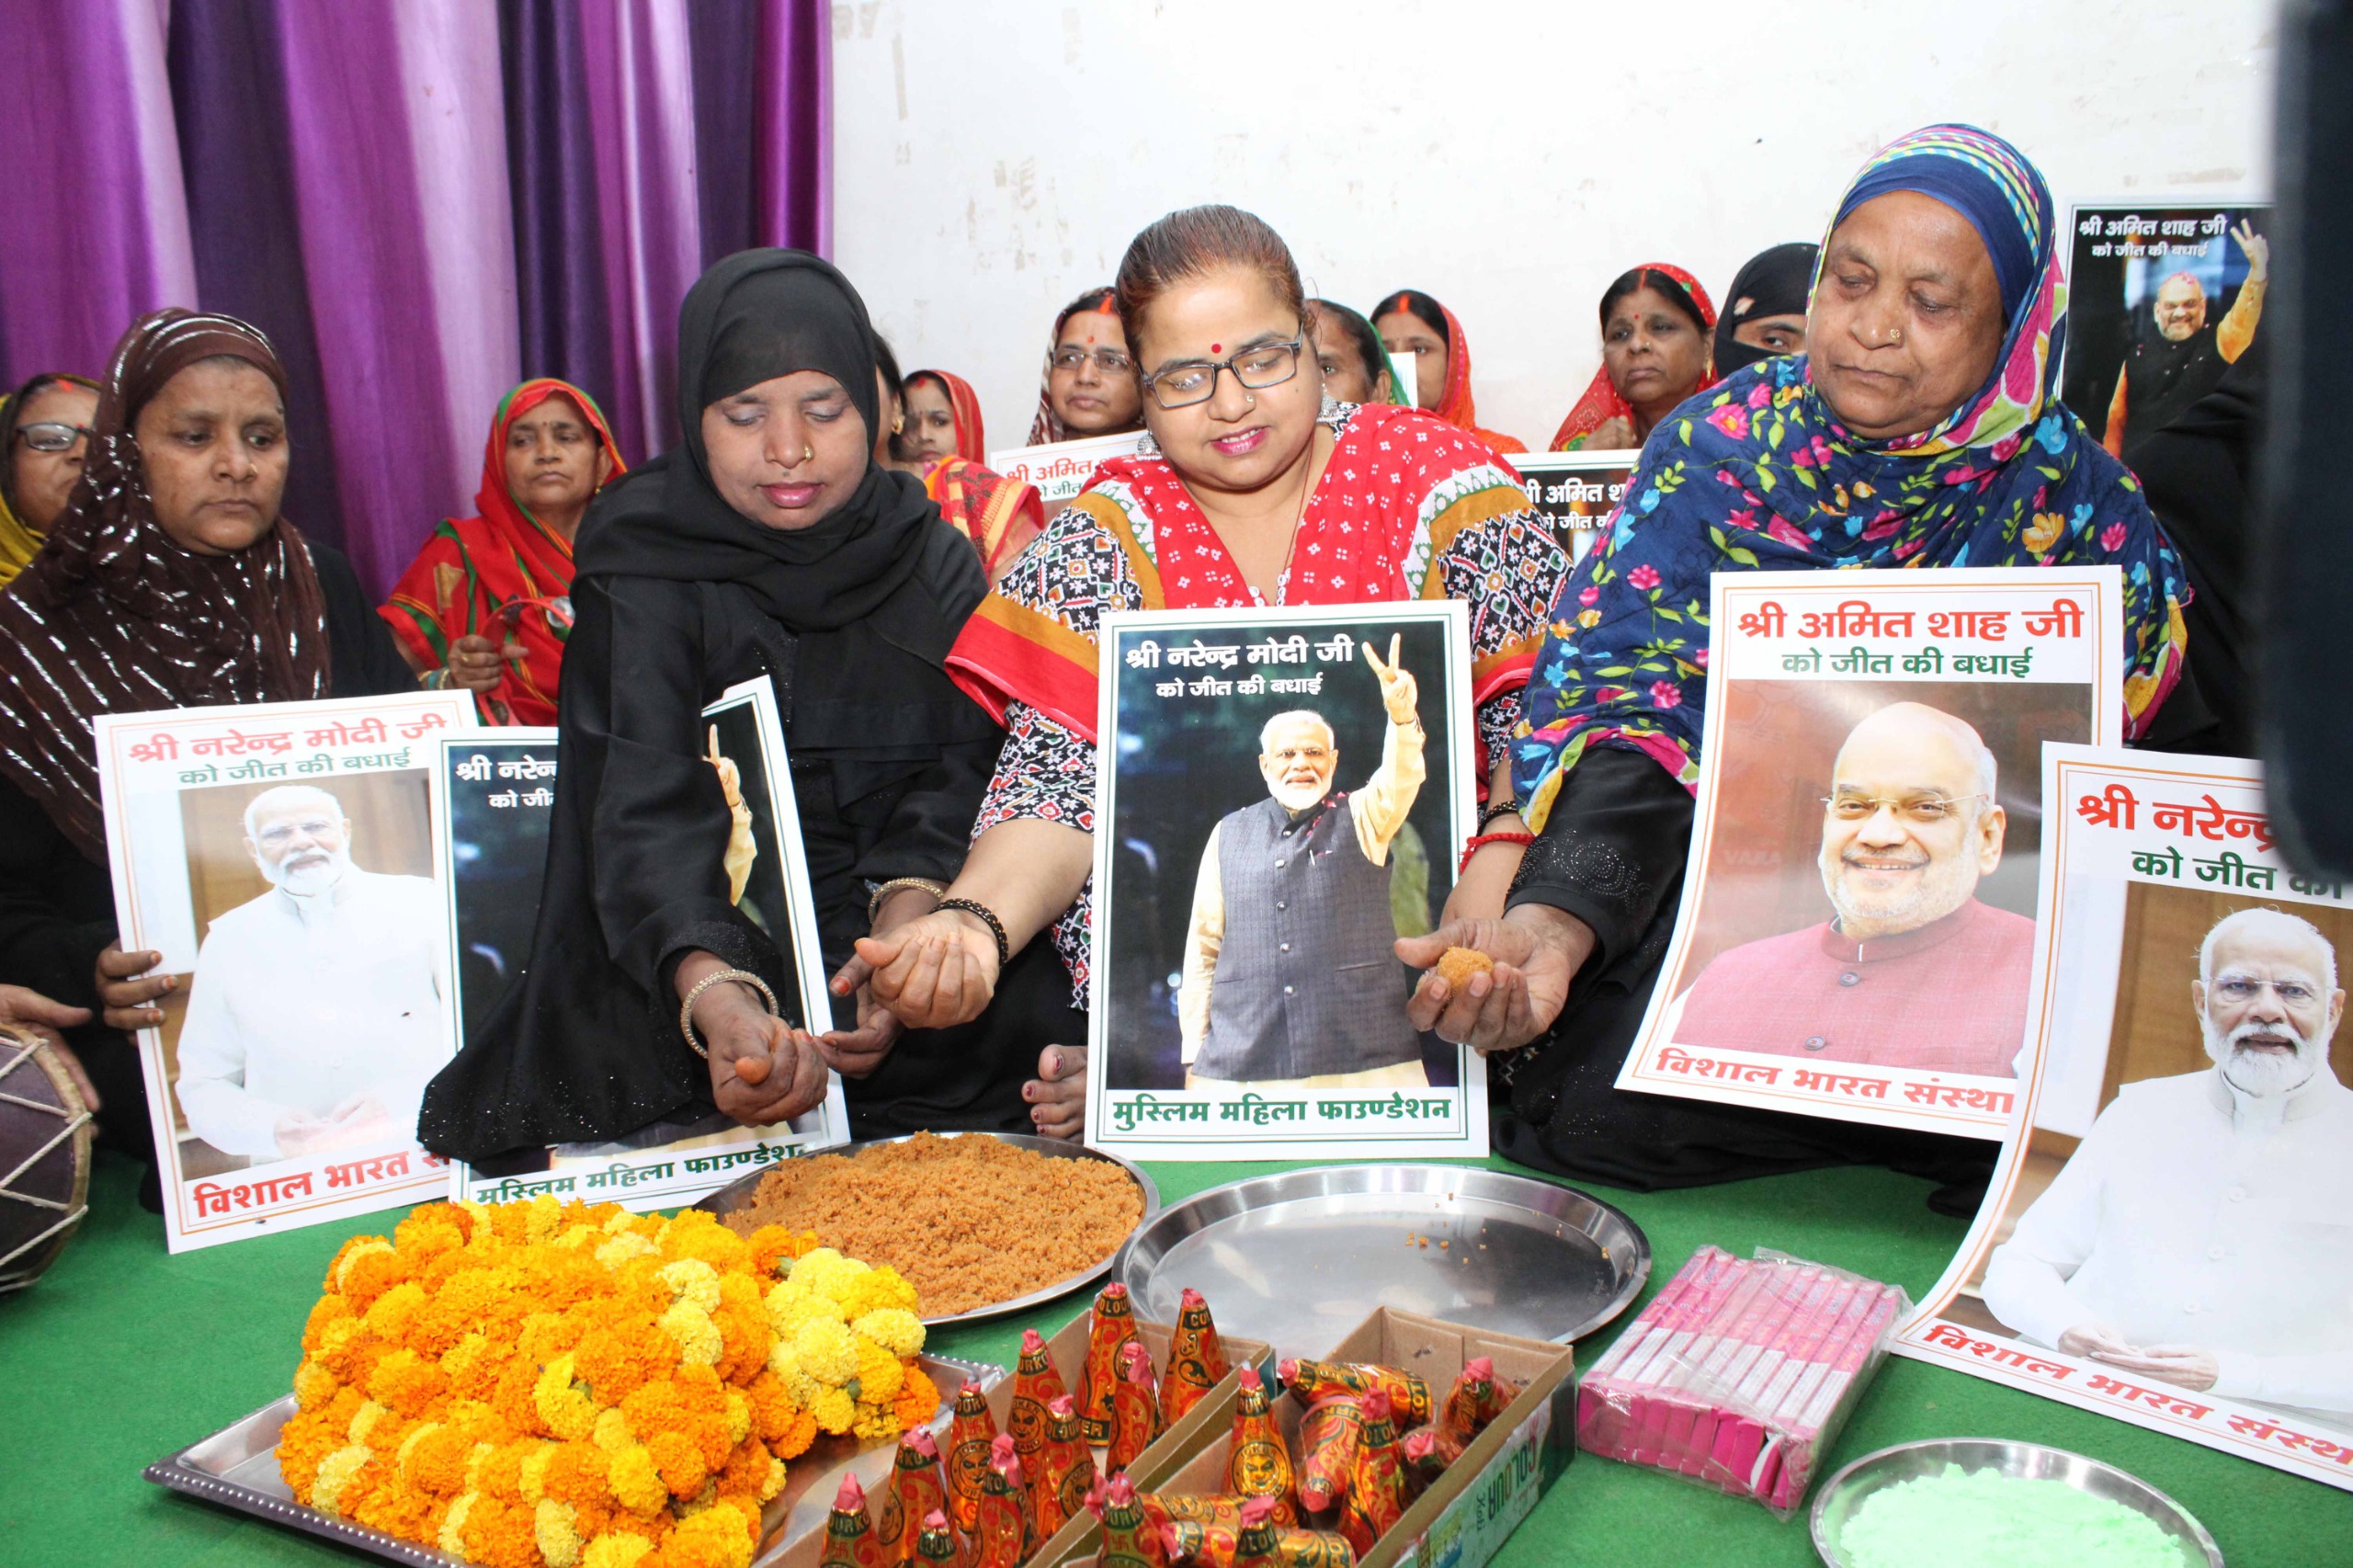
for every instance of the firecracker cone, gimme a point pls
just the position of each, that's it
(1196, 1359)
(1112, 1326)
(1257, 1464)
(970, 1432)
(936, 1543)
(1376, 1498)
(1036, 1384)
(1327, 1449)
(916, 1488)
(1065, 1471)
(849, 1533)
(1409, 1396)
(1191, 1544)
(1008, 1528)
(1422, 1454)
(1135, 1409)
(1130, 1539)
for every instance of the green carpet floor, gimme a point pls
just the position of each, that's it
(122, 1353)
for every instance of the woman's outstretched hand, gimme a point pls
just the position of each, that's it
(1535, 952)
(934, 971)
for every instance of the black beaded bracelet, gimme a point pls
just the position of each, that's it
(987, 918)
(1495, 809)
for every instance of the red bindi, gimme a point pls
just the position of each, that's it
(1217, 347)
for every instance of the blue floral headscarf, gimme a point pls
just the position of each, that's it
(1755, 474)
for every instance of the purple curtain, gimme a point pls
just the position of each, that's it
(421, 202)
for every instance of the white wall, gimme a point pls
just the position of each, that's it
(993, 157)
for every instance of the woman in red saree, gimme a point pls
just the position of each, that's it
(487, 603)
(943, 416)
(997, 514)
(1257, 491)
(1657, 323)
(1412, 323)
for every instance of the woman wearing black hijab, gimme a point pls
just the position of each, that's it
(769, 544)
(1765, 310)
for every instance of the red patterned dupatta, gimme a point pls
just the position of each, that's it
(998, 514)
(502, 560)
(1601, 401)
(1400, 486)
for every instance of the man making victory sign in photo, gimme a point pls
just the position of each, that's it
(1289, 975)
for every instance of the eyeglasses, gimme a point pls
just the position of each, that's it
(1925, 811)
(2238, 990)
(1110, 361)
(1195, 380)
(51, 436)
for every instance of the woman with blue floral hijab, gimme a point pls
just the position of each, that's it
(1921, 428)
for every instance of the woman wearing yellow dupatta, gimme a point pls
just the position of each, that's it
(487, 603)
(48, 420)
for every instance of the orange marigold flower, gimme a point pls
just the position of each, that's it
(304, 1442)
(918, 1401)
(368, 1270)
(395, 1509)
(407, 1382)
(330, 1309)
(712, 1539)
(501, 1533)
(433, 1460)
(679, 1461)
(773, 1408)
(743, 1336)
(796, 1437)
(333, 1283)
(617, 1361)
(514, 1401)
(580, 1474)
(772, 1245)
(474, 1366)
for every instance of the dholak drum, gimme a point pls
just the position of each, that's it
(45, 1136)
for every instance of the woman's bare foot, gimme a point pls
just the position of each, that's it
(1057, 1096)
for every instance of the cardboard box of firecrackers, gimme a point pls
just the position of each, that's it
(1010, 1482)
(1467, 1429)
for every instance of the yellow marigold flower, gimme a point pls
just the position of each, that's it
(612, 1433)
(576, 1236)
(825, 1272)
(561, 1403)
(553, 1533)
(739, 1415)
(876, 1289)
(698, 1336)
(617, 1550)
(790, 1306)
(895, 1329)
(452, 1538)
(827, 1352)
(874, 1421)
(334, 1476)
(363, 1421)
(637, 1484)
(880, 1377)
(473, 1366)
(691, 1279)
(313, 1384)
(533, 1481)
(622, 1246)
(835, 1411)
(544, 1214)
(713, 1539)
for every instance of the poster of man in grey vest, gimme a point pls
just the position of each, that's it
(1283, 794)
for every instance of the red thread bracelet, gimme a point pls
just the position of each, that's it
(1472, 846)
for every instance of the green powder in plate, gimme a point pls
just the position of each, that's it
(1986, 1519)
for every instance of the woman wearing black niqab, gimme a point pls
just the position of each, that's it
(768, 545)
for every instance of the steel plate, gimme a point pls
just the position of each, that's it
(738, 1193)
(1835, 1503)
(236, 1468)
(1301, 1257)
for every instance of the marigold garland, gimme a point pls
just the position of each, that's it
(569, 1385)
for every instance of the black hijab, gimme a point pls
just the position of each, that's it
(753, 316)
(1778, 282)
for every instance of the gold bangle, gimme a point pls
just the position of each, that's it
(686, 1007)
(899, 884)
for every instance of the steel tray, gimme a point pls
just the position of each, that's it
(738, 1193)
(1301, 1257)
(1844, 1493)
(236, 1467)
